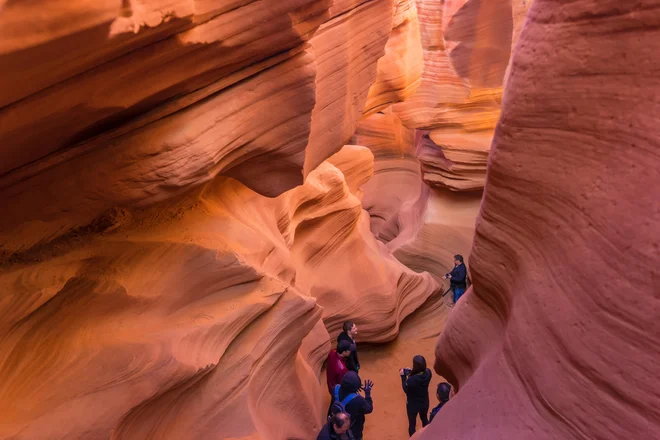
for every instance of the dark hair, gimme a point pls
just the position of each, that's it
(340, 419)
(343, 346)
(458, 257)
(348, 325)
(443, 391)
(419, 364)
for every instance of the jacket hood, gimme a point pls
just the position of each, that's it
(426, 374)
(351, 382)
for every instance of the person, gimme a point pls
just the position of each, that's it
(415, 383)
(337, 428)
(349, 333)
(457, 278)
(336, 365)
(443, 397)
(347, 395)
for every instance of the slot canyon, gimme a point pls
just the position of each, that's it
(197, 194)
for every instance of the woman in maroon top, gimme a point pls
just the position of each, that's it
(336, 366)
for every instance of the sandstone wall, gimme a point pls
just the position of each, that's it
(558, 338)
(467, 46)
(186, 227)
(165, 273)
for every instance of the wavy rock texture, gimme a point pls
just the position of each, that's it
(467, 45)
(165, 273)
(561, 321)
(396, 181)
(423, 227)
(110, 76)
(437, 226)
(203, 309)
(347, 50)
(388, 290)
(400, 69)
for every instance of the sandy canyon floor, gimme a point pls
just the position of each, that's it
(381, 363)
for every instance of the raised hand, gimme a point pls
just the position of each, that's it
(368, 385)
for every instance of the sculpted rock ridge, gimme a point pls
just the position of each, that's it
(561, 321)
(186, 227)
(199, 192)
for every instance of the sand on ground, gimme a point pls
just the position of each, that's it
(381, 363)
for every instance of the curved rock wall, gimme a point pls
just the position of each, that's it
(558, 338)
(467, 45)
(184, 318)
(165, 273)
(188, 230)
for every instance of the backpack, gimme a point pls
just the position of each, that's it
(340, 405)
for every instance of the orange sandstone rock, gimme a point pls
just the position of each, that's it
(400, 69)
(561, 322)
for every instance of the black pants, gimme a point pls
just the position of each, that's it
(413, 410)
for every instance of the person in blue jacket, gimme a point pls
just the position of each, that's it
(347, 395)
(457, 278)
(443, 397)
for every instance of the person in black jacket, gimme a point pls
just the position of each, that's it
(415, 384)
(337, 428)
(457, 278)
(359, 406)
(349, 333)
(443, 397)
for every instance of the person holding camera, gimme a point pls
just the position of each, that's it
(415, 383)
(457, 278)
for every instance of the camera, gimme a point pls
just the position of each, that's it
(407, 371)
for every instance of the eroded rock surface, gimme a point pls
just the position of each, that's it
(203, 309)
(467, 46)
(186, 234)
(561, 322)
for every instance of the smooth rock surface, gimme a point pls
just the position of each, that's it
(467, 46)
(561, 322)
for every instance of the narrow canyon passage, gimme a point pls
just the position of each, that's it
(197, 194)
(382, 362)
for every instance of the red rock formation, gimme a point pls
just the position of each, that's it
(400, 69)
(558, 336)
(149, 286)
(109, 76)
(202, 309)
(347, 49)
(466, 52)
(397, 180)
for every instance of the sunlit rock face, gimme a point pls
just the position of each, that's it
(467, 46)
(184, 318)
(441, 133)
(185, 231)
(397, 180)
(200, 192)
(561, 321)
(400, 69)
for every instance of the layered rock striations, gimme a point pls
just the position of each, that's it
(561, 322)
(121, 63)
(397, 180)
(441, 133)
(207, 309)
(166, 271)
(467, 45)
